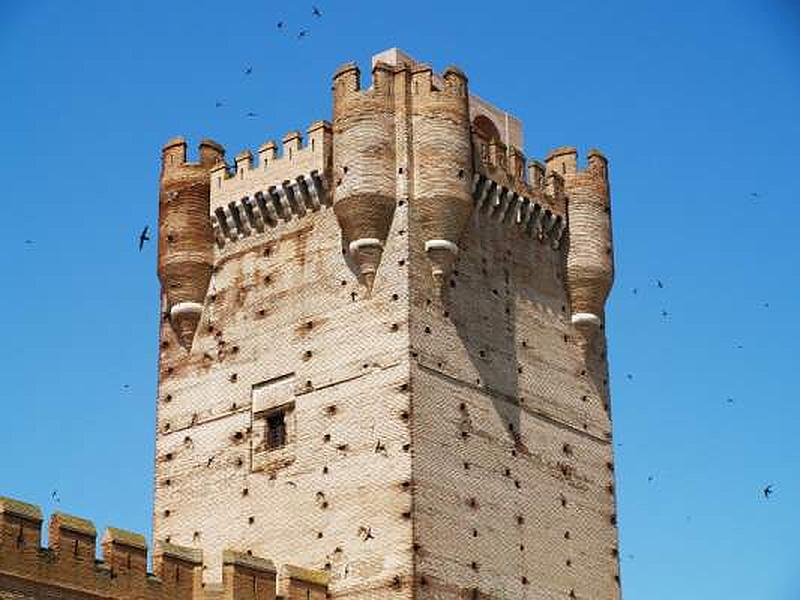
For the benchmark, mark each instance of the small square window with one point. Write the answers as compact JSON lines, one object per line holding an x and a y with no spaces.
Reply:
{"x":273,"y":424}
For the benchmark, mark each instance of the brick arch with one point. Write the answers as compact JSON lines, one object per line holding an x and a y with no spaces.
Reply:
{"x":485,"y":128}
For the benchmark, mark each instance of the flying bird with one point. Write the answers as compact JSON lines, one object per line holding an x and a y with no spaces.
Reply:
{"x":248,"y":71}
{"x":251,"y":114}
{"x":55,"y":497}
{"x":280,"y":25}
{"x":144,"y":237}
{"x":126,"y":386}
{"x":766,"y":305}
{"x":315,"y":11}
{"x":768,"y":491}
{"x":650,"y":479}
{"x":29,"y":242}
{"x":664,"y":313}
{"x":755,"y":195}
{"x":635,"y":291}
{"x":660,"y":284}
{"x":629,"y":376}
{"x":303,"y":33}
{"x":218,"y":104}
{"x":729,"y":400}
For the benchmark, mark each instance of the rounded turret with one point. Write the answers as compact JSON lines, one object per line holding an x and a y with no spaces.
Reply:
{"x":442,"y":145}
{"x":185,"y":236}
{"x":364,"y":163}
{"x":590,"y":260}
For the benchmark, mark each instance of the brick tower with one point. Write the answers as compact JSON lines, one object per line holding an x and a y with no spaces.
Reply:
{"x":382,"y":351}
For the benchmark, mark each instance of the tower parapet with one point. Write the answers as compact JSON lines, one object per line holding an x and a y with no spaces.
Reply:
{"x":364,"y":163}
{"x":252,"y":197}
{"x":185,"y":237}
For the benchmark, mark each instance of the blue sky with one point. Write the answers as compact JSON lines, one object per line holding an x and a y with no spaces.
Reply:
{"x":694,"y":102}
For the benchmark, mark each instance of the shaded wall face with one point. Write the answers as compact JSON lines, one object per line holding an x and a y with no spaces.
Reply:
{"x":512,"y":460}
{"x":285,"y":327}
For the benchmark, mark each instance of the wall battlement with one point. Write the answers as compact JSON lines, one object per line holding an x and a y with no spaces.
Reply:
{"x":68,"y":565}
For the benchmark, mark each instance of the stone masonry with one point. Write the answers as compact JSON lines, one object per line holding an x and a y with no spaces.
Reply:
{"x":382,"y":360}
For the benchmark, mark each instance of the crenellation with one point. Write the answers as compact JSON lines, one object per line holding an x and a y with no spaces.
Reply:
{"x":562,"y":160}
{"x":536,"y":175}
{"x":297,"y":158}
{"x":124,"y":552}
{"x":68,"y":566}
{"x":72,"y":537}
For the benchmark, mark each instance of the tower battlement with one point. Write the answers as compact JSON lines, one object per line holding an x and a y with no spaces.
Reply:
{"x":274,"y":165}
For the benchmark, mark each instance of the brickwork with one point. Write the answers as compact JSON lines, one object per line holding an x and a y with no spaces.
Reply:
{"x":382,"y":360}
{"x":68,"y":570}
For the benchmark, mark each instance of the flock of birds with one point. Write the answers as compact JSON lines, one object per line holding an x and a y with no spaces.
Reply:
{"x":281,"y":26}
{"x":768,"y":490}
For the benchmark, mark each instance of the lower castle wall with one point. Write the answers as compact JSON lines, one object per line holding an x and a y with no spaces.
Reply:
{"x":68,"y":569}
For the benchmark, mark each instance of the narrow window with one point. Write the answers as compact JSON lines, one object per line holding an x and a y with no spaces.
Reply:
{"x":276,"y":430}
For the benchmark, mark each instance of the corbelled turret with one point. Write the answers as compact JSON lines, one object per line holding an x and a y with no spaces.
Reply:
{"x":185,"y":237}
{"x":590,"y":261}
{"x":442,"y":146}
{"x":364,"y":163}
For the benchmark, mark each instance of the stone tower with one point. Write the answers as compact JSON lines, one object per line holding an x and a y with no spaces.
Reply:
{"x":382,"y":351}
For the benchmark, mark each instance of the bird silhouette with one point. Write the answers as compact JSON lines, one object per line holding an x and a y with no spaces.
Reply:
{"x":664,"y":313}
{"x":635,"y":291}
{"x":251,"y":114}
{"x":768,"y":491}
{"x":650,"y":479}
{"x":755,"y":195}
{"x":144,"y":237}
{"x":302,"y":33}
{"x":315,"y":11}
{"x":29,"y":242}
{"x":629,"y":376}
{"x":55,"y":497}
{"x":660,"y":284}
{"x":766,"y":305}
{"x":729,"y":400}
{"x":248,"y":71}
{"x":126,"y":386}
{"x":218,"y":104}
{"x":280,"y":24}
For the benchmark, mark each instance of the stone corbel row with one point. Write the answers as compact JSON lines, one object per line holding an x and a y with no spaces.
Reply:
{"x":267,"y":209}
{"x":503,"y":205}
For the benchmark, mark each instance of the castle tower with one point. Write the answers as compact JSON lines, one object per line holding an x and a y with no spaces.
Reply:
{"x":395,"y":370}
